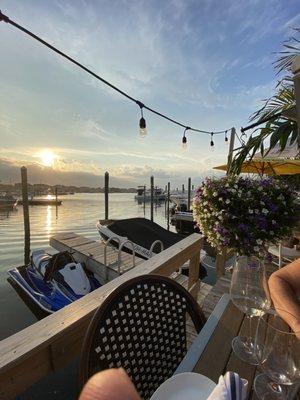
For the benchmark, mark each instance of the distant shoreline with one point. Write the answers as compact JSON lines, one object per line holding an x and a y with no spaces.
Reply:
{"x":41,"y":188}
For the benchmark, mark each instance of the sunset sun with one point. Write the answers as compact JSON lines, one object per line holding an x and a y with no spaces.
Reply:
{"x":47,"y":158}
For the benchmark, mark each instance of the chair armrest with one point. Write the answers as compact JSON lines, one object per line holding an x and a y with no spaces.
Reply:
{"x":192,"y":356}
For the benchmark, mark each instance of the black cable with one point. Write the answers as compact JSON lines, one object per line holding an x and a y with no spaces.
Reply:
{"x":139,"y":103}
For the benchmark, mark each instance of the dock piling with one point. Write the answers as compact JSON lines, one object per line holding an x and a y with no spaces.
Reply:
{"x":168,"y":207}
{"x":189,"y":194}
{"x":106,"y":189}
{"x":25,"y":215}
{"x":152,"y":190}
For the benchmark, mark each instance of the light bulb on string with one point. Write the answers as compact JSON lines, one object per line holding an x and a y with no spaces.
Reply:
{"x":212,"y":144}
{"x":184,"y":139}
{"x":226,"y":138}
{"x":143,"y":128}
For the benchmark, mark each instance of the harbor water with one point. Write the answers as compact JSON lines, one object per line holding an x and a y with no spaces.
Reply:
{"x":78,"y":213}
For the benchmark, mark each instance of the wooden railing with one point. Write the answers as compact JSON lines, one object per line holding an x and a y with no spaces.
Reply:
{"x":53,"y":342}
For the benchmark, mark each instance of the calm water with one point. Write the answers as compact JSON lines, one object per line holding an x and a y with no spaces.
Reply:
{"x":78,"y":213}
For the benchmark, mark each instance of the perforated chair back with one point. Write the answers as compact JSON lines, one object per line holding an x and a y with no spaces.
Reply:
{"x":141,"y":326}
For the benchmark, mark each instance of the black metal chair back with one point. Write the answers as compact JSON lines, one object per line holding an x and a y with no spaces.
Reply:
{"x":141,"y":326}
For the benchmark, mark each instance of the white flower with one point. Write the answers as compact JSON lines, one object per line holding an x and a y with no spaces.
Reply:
{"x":262,"y":203}
{"x":256,"y":248}
{"x":250,"y":211}
{"x":264,"y":211}
{"x":273,"y":222}
{"x":215,"y":194}
{"x":259,"y":241}
{"x":227,"y":201}
{"x":220,"y":199}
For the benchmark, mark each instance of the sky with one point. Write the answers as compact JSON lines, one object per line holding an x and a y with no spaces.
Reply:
{"x":207,"y":63}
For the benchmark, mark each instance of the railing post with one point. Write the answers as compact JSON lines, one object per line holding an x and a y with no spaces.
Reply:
{"x":220,"y":262}
{"x":152,"y":190}
{"x":194,"y":272}
{"x":106,"y":189}
{"x":25,"y":215}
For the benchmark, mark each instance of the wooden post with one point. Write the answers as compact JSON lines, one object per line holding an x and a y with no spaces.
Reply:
{"x":56,"y":203}
{"x":152,"y":189}
{"x":296,"y":72}
{"x":144,"y":205}
{"x":106,"y":189}
{"x":193,"y":187}
{"x":194,"y":272}
{"x":220,"y":262}
{"x":182,"y":188}
{"x":168,"y":207}
{"x":230,"y":151}
{"x":25,"y":215}
{"x":189,"y":194}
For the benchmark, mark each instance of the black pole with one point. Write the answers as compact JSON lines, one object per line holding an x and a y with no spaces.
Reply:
{"x":25,"y":215}
{"x":152,"y":189}
{"x":106,"y":189}
{"x":168,"y":207}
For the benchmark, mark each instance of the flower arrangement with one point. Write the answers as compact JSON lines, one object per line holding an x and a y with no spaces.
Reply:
{"x":244,"y":214}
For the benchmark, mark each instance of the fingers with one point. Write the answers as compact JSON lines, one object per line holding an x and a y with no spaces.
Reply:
{"x":111,"y":384}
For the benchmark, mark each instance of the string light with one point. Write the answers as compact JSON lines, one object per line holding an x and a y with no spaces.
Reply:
{"x":143,"y":129}
{"x":142,"y":124}
{"x":226,"y":138}
{"x":212,"y":145}
{"x":184,"y":140}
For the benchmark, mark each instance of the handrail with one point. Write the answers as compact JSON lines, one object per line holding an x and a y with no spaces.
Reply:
{"x":116,"y":238}
{"x":120,"y":254}
{"x":52,"y":343}
{"x":153,"y":244}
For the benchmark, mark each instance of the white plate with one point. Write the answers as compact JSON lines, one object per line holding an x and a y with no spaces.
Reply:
{"x":187,"y":386}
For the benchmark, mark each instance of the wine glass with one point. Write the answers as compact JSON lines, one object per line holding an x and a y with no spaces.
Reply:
{"x":278,"y":353}
{"x":249,"y":292}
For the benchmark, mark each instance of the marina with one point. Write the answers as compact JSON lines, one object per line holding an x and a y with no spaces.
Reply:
{"x":131,"y":269}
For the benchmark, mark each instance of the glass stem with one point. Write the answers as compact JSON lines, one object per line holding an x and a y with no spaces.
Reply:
{"x":250,"y":330}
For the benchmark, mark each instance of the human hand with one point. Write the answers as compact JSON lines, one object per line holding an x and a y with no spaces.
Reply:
{"x":111,"y":384}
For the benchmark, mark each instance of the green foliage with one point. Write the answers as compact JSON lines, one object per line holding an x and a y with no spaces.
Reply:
{"x":278,"y":130}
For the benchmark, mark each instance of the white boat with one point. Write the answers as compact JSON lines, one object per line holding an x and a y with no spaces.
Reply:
{"x":144,"y":194}
{"x":7,"y":201}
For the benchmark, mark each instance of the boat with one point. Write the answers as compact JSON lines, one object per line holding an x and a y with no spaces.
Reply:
{"x":144,"y":236}
{"x":144,"y":195}
{"x":52,"y":281}
{"x":184,"y":222}
{"x":7,"y":201}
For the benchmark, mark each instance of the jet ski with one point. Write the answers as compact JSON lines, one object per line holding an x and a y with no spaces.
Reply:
{"x":52,"y":281}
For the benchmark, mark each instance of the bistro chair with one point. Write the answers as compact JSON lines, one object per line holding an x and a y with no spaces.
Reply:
{"x":141,"y":326}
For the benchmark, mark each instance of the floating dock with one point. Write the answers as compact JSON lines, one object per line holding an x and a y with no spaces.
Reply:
{"x":42,"y":202}
{"x":92,"y":253}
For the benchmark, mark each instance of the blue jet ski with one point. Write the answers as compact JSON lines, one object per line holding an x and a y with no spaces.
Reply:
{"x":52,"y":281}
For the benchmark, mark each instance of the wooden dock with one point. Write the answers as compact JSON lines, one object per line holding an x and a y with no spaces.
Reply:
{"x":91,"y":252}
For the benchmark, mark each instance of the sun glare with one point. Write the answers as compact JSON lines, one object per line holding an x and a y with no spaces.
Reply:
{"x":47,"y":158}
